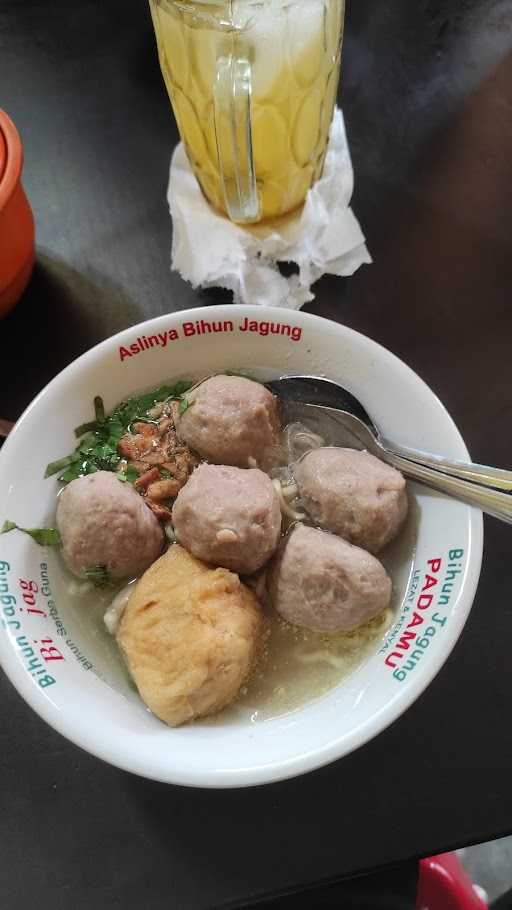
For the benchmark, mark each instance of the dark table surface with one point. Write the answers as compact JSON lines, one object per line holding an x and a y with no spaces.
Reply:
{"x":427,"y":93}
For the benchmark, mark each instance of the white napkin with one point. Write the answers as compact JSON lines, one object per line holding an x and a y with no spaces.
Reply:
{"x":323,"y":237}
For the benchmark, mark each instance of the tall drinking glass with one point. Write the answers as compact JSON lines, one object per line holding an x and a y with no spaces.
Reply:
{"x":253,"y":85}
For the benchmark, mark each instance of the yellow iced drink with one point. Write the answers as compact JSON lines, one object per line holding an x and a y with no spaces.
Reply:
{"x":293,"y":48}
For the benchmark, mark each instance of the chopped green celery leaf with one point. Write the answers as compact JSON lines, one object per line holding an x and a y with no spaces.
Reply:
{"x":8,"y":526}
{"x":71,"y":473}
{"x":169,"y":391}
{"x":104,"y":450}
{"x":129,"y":475}
{"x":86,"y":428}
{"x":102,"y":434}
{"x":184,"y":405}
{"x":165,"y":474}
{"x":92,"y":425}
{"x":132,"y":408}
{"x":183,"y":385}
{"x":99,"y":409}
{"x":86,"y":444}
{"x":98,"y":575}
{"x":45,"y":537}
{"x":115,"y":428}
{"x":55,"y":466}
{"x":106,"y":464}
{"x":97,"y":451}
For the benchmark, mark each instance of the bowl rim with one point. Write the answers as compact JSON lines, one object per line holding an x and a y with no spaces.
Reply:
{"x":314,"y":758}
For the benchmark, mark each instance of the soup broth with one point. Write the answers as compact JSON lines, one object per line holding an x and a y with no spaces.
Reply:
{"x":296,"y":665}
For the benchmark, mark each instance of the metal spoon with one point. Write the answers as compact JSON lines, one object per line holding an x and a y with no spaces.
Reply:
{"x":340,"y":419}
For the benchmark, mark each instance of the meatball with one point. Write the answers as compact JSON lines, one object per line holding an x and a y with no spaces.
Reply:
{"x":190,"y":636}
{"x":323,"y":583}
{"x":231,"y":420}
{"x":104,"y":522}
{"x":352,"y":494}
{"x":228,"y":517}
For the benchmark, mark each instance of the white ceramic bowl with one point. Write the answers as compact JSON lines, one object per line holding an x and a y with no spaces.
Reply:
{"x":96,"y":709}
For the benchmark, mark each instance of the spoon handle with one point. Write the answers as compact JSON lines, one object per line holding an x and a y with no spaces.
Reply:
{"x":494,"y":502}
{"x":495,"y":478}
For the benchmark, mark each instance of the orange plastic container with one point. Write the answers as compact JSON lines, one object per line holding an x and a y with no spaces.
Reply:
{"x":16,"y":219}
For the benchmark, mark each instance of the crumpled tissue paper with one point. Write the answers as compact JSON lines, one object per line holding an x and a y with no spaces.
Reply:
{"x":323,"y":237}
